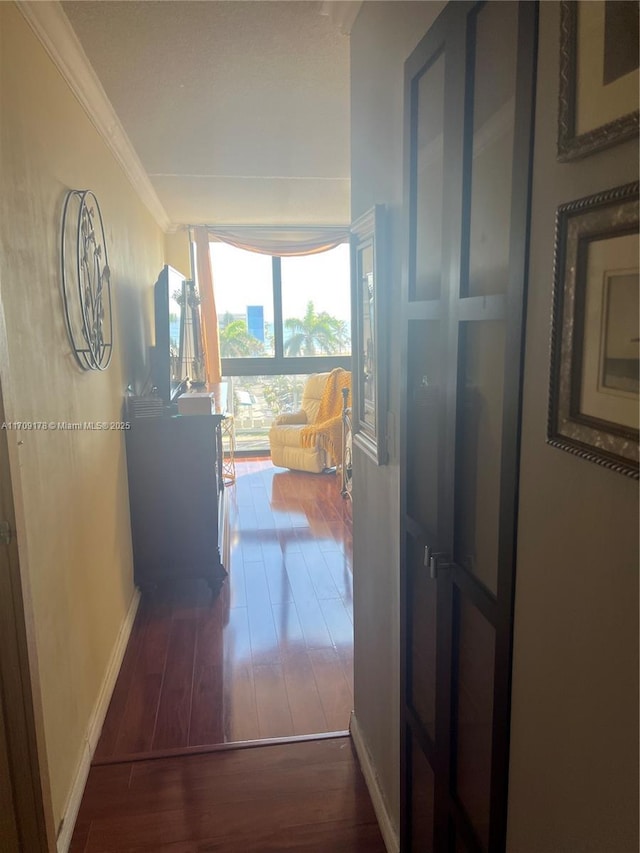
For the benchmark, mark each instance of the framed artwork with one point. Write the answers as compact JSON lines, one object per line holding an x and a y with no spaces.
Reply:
{"x":598,"y":75}
{"x":369,"y":344}
{"x":594,"y":387}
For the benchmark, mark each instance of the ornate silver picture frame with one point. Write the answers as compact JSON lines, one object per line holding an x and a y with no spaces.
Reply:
{"x":598,"y":100}
{"x":594,"y":383}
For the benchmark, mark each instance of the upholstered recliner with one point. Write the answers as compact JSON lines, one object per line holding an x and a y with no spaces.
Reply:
{"x":285,"y":433}
{"x":312,"y":439}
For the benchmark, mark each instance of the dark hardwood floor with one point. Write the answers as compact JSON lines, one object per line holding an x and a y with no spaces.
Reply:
{"x":271,"y":655}
{"x":308,"y":797}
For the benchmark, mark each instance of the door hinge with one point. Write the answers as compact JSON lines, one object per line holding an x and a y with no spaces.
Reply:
{"x":435,"y":561}
{"x":5,"y":532}
{"x":438,"y":563}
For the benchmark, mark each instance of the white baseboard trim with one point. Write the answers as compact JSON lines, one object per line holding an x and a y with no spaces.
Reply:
{"x":94,"y":729}
{"x":388,"y":830}
{"x":65,"y":832}
{"x":102,"y":704}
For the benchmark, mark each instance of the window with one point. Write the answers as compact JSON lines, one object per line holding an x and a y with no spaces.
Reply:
{"x":244,"y":301}
{"x":257,"y":400}
{"x":316,"y":304}
{"x":280,"y":320}
{"x":276,"y":312}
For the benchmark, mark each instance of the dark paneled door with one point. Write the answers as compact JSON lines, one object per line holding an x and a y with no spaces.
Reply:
{"x":23,"y":818}
{"x":468,"y":107}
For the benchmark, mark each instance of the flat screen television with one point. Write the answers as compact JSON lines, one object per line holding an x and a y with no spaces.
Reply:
{"x":169,"y":299}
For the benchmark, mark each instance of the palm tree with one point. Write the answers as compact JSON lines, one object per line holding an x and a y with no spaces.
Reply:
{"x":315,"y":333}
{"x":236,"y":342}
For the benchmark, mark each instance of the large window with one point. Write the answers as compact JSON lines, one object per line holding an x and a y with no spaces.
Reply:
{"x":316,"y":304}
{"x":274,"y":313}
{"x":256,"y":401}
{"x":280,"y":320}
{"x":244,"y":301}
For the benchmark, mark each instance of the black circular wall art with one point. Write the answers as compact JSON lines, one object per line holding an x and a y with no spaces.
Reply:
{"x":86,"y":281}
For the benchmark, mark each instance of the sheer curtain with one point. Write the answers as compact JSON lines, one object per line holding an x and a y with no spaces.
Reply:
{"x":208,"y":313}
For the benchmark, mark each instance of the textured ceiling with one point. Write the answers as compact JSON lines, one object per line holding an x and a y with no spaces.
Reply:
{"x":238,"y":110}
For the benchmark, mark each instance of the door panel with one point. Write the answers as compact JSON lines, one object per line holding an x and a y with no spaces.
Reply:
{"x":491,"y":52}
{"x":472,"y":734}
{"x":22,"y":810}
{"x":9,"y":837}
{"x":479,"y":449}
{"x":429,"y":167}
{"x":468,"y":123}
{"x":423,"y":422}
{"x":422,"y":631}
{"x":423,"y":791}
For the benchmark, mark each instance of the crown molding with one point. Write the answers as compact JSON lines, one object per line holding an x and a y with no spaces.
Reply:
{"x":51,"y":26}
{"x":342,"y":13}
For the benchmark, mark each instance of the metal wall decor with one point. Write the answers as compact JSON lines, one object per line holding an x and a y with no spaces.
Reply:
{"x":86,"y":281}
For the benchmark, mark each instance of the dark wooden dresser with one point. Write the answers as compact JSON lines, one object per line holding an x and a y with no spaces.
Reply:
{"x":176,"y":494}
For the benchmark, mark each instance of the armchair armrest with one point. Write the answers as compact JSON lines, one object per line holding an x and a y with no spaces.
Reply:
{"x":291,"y":418}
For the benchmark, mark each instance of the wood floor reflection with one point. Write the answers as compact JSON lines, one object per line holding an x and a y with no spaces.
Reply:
{"x":272,"y":655}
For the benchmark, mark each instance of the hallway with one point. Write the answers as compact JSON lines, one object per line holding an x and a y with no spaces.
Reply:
{"x":271,"y":655}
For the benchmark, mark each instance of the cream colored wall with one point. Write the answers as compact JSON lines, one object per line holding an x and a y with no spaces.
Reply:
{"x":384,"y":35}
{"x":74,"y":531}
{"x":574,"y":738}
{"x":176,"y":251}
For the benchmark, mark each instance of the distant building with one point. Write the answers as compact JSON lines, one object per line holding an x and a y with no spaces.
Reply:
{"x":255,"y":321}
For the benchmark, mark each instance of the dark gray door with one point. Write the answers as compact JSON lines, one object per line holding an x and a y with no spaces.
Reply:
{"x":468,"y":123}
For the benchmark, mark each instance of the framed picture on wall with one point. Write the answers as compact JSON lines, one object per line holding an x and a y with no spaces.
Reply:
{"x":598,"y":75}
{"x":594,"y":386}
{"x":369,"y":334}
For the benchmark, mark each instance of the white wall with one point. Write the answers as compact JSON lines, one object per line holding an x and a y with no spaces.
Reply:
{"x":574,"y":739}
{"x":573,"y":782}
{"x":384,"y":35}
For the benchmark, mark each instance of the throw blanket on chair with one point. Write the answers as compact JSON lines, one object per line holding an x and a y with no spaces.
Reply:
{"x":328,"y":426}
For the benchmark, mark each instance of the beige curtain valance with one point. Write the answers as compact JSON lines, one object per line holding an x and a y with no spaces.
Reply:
{"x":282,"y":241}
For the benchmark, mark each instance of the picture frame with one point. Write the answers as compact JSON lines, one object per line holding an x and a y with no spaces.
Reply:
{"x":369,"y":333}
{"x":593,"y":389}
{"x":598,"y":97}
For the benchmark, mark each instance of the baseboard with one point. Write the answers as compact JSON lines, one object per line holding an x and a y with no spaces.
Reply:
{"x":67,"y":825}
{"x":388,"y":830}
{"x":94,"y":729}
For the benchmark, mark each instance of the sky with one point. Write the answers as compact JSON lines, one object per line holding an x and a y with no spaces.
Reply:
{"x":244,"y":278}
